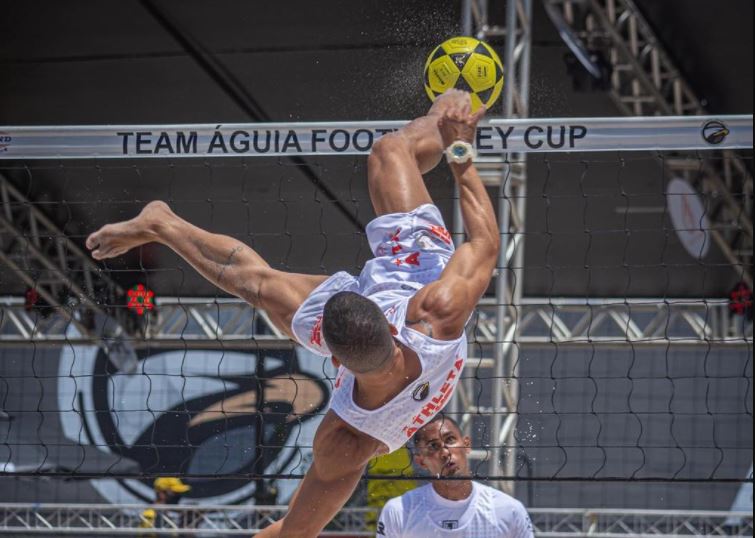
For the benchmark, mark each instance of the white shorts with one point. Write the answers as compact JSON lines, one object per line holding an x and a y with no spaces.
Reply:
{"x":411,"y":250}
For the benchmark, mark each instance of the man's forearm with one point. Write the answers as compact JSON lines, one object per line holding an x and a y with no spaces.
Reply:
{"x":476,"y":209}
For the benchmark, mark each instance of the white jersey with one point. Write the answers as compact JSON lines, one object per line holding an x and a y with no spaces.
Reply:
{"x":422,"y":513}
{"x":411,"y":250}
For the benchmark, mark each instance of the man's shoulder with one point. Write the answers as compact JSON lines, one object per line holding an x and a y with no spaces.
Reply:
{"x":510,"y":512}
{"x":399,"y":514}
{"x":441,"y":303}
{"x":405,"y":502}
{"x":500,"y":499}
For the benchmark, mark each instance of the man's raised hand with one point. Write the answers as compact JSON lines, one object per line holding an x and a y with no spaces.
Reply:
{"x":458,"y":123}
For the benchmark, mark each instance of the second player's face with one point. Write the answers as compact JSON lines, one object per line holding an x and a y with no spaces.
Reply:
{"x":443,"y":451}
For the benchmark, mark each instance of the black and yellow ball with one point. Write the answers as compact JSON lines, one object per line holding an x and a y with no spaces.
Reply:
{"x":467,"y":64}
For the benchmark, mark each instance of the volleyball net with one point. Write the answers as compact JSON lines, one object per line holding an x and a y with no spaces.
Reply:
{"x":614,"y":345}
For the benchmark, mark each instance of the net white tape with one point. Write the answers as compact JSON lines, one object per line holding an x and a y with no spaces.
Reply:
{"x":354,"y":138}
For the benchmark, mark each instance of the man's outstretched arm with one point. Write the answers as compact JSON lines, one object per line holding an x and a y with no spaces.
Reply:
{"x":226,"y":262}
{"x":447,"y":303}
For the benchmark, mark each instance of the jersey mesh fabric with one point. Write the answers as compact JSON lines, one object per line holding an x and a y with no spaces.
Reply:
{"x":411,"y":250}
{"x":397,"y":421}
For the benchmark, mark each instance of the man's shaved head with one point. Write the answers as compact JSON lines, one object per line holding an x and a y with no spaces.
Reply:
{"x":357,"y":332}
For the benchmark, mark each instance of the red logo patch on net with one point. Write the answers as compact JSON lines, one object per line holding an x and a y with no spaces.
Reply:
{"x":140,"y":299}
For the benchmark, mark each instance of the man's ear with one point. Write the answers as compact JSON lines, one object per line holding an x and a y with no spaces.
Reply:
{"x":468,"y":444}
{"x":335,"y":362}
{"x":418,"y":459}
{"x":394,"y":330}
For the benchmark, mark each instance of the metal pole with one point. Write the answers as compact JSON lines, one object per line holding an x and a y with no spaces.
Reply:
{"x":467,"y":19}
{"x":502,"y":284}
{"x":517,"y":263}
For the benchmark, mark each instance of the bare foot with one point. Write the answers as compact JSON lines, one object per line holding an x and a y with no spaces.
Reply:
{"x":116,"y":239}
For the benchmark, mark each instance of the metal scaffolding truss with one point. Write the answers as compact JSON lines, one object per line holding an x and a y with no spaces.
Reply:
{"x":206,"y":323}
{"x":648,"y":322}
{"x":611,"y":523}
{"x":508,"y":174}
{"x":192,"y":323}
{"x":216,"y":323}
{"x":42,"y":257}
{"x":644,"y":81}
{"x":124,"y":520}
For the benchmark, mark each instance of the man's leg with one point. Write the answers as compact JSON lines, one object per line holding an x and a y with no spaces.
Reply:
{"x":226,"y":262}
{"x":399,"y":160}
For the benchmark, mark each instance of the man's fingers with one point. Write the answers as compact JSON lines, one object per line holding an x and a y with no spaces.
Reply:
{"x":92,"y":240}
{"x":477,"y":116}
{"x":466,"y":107}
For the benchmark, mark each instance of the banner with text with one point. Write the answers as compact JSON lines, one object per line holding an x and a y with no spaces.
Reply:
{"x":354,"y":138}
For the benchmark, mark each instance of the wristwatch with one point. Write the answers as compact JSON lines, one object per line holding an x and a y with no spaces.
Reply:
{"x":460,"y":152}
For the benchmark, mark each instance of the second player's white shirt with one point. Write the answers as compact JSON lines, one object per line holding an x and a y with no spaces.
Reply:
{"x":422,"y":513}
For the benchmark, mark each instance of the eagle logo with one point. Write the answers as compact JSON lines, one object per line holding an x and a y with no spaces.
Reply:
{"x":715,"y":132}
{"x":232,"y":414}
{"x":420,"y":393}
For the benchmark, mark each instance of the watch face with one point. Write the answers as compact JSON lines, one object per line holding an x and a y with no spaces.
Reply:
{"x":459,"y":151}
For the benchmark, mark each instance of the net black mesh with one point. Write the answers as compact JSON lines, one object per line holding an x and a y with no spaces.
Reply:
{"x":608,"y":420}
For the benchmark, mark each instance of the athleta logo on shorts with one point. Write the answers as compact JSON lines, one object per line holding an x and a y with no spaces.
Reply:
{"x":421,"y":392}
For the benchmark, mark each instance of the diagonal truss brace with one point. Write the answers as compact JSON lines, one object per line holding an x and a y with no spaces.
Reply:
{"x":42,"y":257}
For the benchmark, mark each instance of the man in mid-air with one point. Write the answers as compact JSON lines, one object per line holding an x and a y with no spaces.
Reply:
{"x":453,"y":505}
{"x":396,"y":332}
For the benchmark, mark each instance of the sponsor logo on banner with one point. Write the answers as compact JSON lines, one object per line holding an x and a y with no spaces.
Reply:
{"x":230,"y":413}
{"x":5,"y":140}
{"x":715,"y":132}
